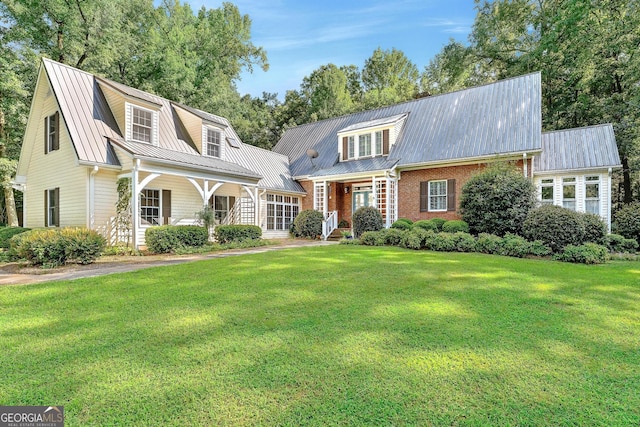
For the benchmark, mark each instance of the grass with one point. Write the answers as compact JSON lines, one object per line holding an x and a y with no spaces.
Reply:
{"x":339,"y":335}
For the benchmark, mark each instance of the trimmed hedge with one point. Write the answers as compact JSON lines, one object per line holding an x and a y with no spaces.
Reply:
{"x":54,"y":247}
{"x":236,"y":233}
{"x":366,"y":218}
{"x":308,"y":223}
{"x":619,"y":244}
{"x":595,"y":229}
{"x":438,"y":223}
{"x":6,"y":233}
{"x":168,"y":238}
{"x":402,"y":225}
{"x":555,"y":226}
{"x":425,"y":224}
{"x":455,"y":226}
{"x":627,"y":221}
{"x":589,"y":253}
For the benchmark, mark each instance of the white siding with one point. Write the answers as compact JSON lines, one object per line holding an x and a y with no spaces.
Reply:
{"x":105,"y":197}
{"x":57,"y":169}
{"x":116,"y":104}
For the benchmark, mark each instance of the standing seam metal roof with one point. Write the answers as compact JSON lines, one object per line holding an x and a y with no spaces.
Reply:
{"x":497,"y":118}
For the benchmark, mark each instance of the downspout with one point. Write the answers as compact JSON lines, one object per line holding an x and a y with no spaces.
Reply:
{"x":92,"y":197}
{"x":609,"y":202}
{"x":525,"y":166}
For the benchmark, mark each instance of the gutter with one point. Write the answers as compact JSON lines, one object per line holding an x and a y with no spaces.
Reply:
{"x":517,"y":155}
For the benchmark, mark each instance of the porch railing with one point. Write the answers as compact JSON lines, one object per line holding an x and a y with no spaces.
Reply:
{"x":329,"y":224}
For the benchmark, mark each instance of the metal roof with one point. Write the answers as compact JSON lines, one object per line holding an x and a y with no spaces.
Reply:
{"x":356,"y":166}
{"x":495,"y":119}
{"x":148,"y":151}
{"x":373,"y":123}
{"x":591,"y":147}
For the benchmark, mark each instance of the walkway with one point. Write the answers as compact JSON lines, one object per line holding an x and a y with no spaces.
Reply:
{"x":102,"y":268}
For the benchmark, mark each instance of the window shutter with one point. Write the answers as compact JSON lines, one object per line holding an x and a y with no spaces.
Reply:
{"x":46,"y":139}
{"x":385,"y":141}
{"x":451,"y":194}
{"x":56,"y":137}
{"x":56,"y":211}
{"x":166,"y":206}
{"x":345,"y":148}
{"x":46,"y":208}
{"x":424,"y":196}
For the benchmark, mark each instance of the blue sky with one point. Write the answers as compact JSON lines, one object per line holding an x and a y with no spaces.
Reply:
{"x":300,"y":36}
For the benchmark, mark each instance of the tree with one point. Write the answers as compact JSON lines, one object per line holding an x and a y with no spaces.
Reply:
{"x":327,"y":90}
{"x":497,"y":200}
{"x":389,"y":77}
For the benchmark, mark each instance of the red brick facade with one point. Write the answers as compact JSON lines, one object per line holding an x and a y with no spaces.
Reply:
{"x":408,"y":191}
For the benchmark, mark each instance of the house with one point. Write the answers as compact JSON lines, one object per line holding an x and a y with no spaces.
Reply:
{"x":85,"y":134}
{"x":411,"y":160}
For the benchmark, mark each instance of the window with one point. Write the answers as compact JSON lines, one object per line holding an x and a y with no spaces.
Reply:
{"x":221,"y":206}
{"x":281,"y":211}
{"x":52,"y":133}
{"x":378,"y":143}
{"x":546,"y":191}
{"x":438,"y":195}
{"x":52,"y":207}
{"x":352,"y":147}
{"x":141,"y":124}
{"x":213,"y":143}
{"x":592,"y":194}
{"x":150,"y":207}
{"x":364,"y":145}
{"x":569,"y":193}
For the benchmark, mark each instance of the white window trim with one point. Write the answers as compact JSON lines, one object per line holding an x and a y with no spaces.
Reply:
{"x":129,"y":124}
{"x":286,"y":221}
{"x":356,"y":143}
{"x":575,"y":191}
{"x":591,"y":199}
{"x":429,"y":209}
{"x":52,"y":135}
{"x":205,"y":141}
{"x":548,"y":185}
{"x":160,"y":216}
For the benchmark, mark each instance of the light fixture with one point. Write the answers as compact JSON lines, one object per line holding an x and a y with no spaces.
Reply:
{"x":346,"y":189}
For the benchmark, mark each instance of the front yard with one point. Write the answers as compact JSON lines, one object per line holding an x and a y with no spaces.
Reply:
{"x":345,"y":335}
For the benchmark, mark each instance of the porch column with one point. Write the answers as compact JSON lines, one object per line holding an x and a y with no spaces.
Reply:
{"x":134,"y":203}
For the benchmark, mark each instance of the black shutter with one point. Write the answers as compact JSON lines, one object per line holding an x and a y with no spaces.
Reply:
{"x":56,"y":210}
{"x":56,"y":135}
{"x":424,"y":196}
{"x":46,"y":137}
{"x":385,"y":141}
{"x":451,"y":194}
{"x":46,"y":208}
{"x":166,"y":206}
{"x":345,"y":148}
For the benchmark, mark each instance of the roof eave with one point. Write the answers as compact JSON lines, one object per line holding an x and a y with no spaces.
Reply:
{"x":515,"y":155}
{"x":199,"y":168}
{"x":575,"y":170}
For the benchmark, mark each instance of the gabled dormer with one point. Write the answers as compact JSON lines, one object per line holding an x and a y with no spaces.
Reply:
{"x":208,"y":132}
{"x":368,"y":139}
{"x":137,"y":113}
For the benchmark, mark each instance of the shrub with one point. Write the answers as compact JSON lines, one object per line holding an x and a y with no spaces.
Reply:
{"x":425,"y":225}
{"x":589,"y":253}
{"x":627,"y":221}
{"x":168,"y":238}
{"x":415,"y":238}
{"x":438,"y":223}
{"x":619,"y":244}
{"x":464,"y":242}
{"x":236,"y":233}
{"x":372,"y":238}
{"x":53,"y":247}
{"x":455,"y":226}
{"x":497,"y":200}
{"x":402,"y":225}
{"x":366,"y":218}
{"x":407,"y":220}
{"x":442,"y":242}
{"x":595,"y":229}
{"x":488,"y":243}
{"x":538,"y":248}
{"x":6,"y":233}
{"x":556,"y":227}
{"x":392,"y":236}
{"x":308,"y":224}
{"x":343,"y":224}
{"x":514,"y":246}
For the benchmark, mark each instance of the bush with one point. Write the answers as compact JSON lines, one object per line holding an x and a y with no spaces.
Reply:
{"x":407,"y":220}
{"x":236,"y":233}
{"x":489,"y":243}
{"x":619,"y":244}
{"x":168,"y":238}
{"x":392,"y":236}
{"x":308,"y":224}
{"x":425,"y":224}
{"x":589,"y":253}
{"x":627,"y":221}
{"x":343,"y":224}
{"x":455,"y":226}
{"x":402,"y":225}
{"x":415,"y":238}
{"x":438,"y":223}
{"x":54,"y":247}
{"x":595,"y":229}
{"x":497,"y":200}
{"x":442,"y":242}
{"x":6,"y":233}
{"x":538,"y":248}
{"x":556,"y":227}
{"x":366,"y":218}
{"x":514,"y":246}
{"x":372,"y":238}
{"x":464,"y":242}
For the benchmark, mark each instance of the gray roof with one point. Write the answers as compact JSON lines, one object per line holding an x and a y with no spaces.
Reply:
{"x":194,"y":159}
{"x":357,"y":166}
{"x":494,"y":119}
{"x":373,"y":123}
{"x":592,"y":147}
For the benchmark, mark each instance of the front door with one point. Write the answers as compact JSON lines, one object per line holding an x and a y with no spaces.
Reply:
{"x":362,"y":196}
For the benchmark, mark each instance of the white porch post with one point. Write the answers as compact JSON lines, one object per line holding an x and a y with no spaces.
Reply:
{"x":135,"y":211}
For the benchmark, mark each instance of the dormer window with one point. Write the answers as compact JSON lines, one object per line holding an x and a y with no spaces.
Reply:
{"x":141,"y":128}
{"x":213,"y":142}
{"x":366,"y":144}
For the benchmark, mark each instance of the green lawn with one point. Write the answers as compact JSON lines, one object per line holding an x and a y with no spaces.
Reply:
{"x":339,"y":335}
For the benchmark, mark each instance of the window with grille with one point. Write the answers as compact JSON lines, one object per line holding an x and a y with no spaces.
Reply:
{"x":141,"y":124}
